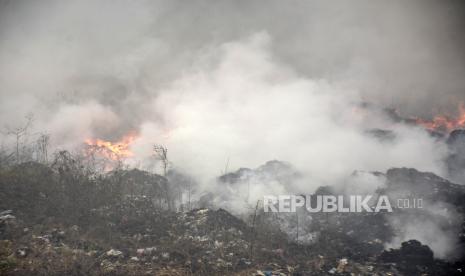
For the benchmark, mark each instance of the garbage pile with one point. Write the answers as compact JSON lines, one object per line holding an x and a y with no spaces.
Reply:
{"x":136,"y":236}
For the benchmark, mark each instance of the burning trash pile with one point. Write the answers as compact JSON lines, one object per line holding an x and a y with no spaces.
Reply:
{"x":111,"y":150}
{"x":444,"y":123}
{"x":132,"y":229}
{"x":232,"y":138}
{"x":67,"y":217}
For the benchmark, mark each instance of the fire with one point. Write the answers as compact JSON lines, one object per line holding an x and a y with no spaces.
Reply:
{"x":444,"y":122}
{"x":112,"y":150}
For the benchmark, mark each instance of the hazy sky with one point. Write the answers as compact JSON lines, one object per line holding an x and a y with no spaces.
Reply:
{"x":220,"y":78}
{"x":407,"y":54}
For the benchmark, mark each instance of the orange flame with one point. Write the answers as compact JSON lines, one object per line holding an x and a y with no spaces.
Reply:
{"x":112,"y":150}
{"x":444,"y":122}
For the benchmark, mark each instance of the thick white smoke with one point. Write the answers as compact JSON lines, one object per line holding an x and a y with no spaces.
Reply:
{"x":239,"y":103}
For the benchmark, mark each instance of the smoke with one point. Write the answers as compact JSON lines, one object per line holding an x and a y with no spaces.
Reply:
{"x":439,"y":229}
{"x":242,"y":105}
{"x":120,"y":53}
{"x":245,"y":81}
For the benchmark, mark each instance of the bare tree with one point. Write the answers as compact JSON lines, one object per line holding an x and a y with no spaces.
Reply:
{"x":189,"y":192}
{"x":161,"y":153}
{"x":42,"y":145}
{"x":19,"y":133}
